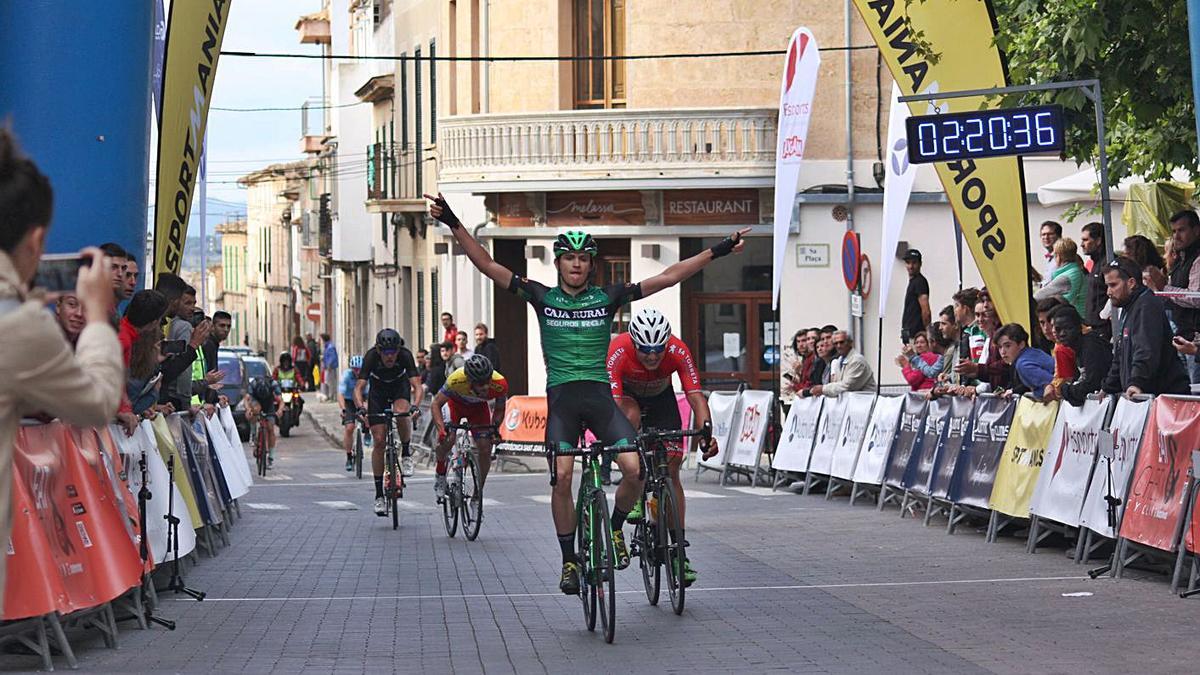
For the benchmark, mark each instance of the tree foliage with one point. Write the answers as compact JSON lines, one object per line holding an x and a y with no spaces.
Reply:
{"x":1137,"y":49}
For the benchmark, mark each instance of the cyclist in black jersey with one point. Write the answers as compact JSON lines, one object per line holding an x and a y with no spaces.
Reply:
{"x":575,"y":319}
{"x":391,"y":371}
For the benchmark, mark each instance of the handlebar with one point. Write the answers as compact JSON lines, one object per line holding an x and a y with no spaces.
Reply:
{"x":704,"y":432}
{"x":592,"y":450}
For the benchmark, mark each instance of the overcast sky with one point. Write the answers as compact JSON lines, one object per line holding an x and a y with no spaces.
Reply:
{"x":240,"y":142}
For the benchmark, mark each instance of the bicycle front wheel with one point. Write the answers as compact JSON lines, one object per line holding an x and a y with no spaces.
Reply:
{"x":646,"y":535}
{"x":260,"y":452}
{"x":587,"y":589}
{"x":358,"y":454}
{"x":394,"y":489}
{"x":450,"y":501}
{"x":674,"y":553}
{"x":603,"y":564}
{"x":471,"y":502}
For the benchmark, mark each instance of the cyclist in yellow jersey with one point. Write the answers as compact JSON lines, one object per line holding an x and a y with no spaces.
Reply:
{"x":470,"y":392}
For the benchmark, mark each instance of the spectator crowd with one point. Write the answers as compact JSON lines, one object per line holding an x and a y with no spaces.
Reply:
{"x":1127,"y":325}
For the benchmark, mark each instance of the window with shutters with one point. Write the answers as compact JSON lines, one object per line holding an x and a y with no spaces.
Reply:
{"x":599,"y":31}
{"x":433,"y":92}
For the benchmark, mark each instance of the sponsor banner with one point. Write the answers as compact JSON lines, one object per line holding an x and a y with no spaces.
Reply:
{"x":83,"y":555}
{"x":988,"y":195}
{"x":877,"y":441}
{"x":722,"y":406}
{"x":830,"y":426}
{"x":975,"y":471}
{"x":227,"y":456}
{"x":235,"y":442}
{"x":751,"y":429}
{"x":1154,"y":505}
{"x":908,"y":433}
{"x":854,"y":428}
{"x":105,"y":464}
{"x":196,"y":471}
{"x":168,"y":452}
{"x":951,"y":445}
{"x":920,"y":464}
{"x":796,"y":89}
{"x":897,"y":188}
{"x":1128,"y":422}
{"x":193,"y":46}
{"x":131,"y":449}
{"x":1023,"y":457}
{"x":524,"y":420}
{"x":1070,"y":456}
{"x":799,"y":432}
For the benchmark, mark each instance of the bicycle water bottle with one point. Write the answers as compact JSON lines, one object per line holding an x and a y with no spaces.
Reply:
{"x":652,"y":506}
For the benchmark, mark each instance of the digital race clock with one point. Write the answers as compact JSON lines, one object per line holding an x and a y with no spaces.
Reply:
{"x":985,"y":133}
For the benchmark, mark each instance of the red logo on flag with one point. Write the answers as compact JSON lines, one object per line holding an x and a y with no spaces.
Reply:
{"x":794,"y":56}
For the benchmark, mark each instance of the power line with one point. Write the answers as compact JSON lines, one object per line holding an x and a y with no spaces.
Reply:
{"x":493,"y":59}
{"x":311,"y":107}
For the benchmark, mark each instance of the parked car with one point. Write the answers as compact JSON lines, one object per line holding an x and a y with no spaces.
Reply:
{"x":234,"y":387}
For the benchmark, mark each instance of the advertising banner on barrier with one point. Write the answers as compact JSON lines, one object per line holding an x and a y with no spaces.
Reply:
{"x":524,"y":420}
{"x":988,"y":195}
{"x":920,"y":465}
{"x":799,"y":432}
{"x":1128,"y":422}
{"x":722,"y":407}
{"x":877,"y":441}
{"x":1024,"y":454}
{"x":167,"y":451}
{"x":908,"y":433}
{"x":235,"y":441}
{"x":1154,"y":505}
{"x":750,"y":432}
{"x":228,"y":457}
{"x":828,"y":429}
{"x":958,"y":430}
{"x":116,"y":472}
{"x":1063,"y":481}
{"x":192,"y":472}
{"x":975,"y":471}
{"x":31,"y":587}
{"x":160,"y":488}
{"x":850,"y":439}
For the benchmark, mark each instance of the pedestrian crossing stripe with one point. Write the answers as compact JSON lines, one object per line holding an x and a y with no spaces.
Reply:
{"x":329,"y":476}
{"x":697,"y":494}
{"x":264,"y":506}
{"x":541,"y":499}
{"x":339,"y":506}
{"x":757,"y":491}
{"x":276,"y":476}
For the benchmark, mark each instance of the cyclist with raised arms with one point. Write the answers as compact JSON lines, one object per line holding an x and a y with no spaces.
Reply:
{"x":470,"y":392}
{"x":640,"y":364}
{"x":391,"y":371}
{"x":575,"y":319}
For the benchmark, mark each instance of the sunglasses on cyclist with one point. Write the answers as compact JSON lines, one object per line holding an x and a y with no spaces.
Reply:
{"x":652,"y":349}
{"x":389,"y":352}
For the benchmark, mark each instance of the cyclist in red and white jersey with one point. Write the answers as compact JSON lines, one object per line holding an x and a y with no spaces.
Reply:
{"x":640,"y":365}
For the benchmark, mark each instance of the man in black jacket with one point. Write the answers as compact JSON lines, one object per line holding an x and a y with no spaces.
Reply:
{"x":1184,"y":276}
{"x":1093,"y":357}
{"x":1145,"y":361}
{"x":1092,"y":242}
{"x":487,"y":346}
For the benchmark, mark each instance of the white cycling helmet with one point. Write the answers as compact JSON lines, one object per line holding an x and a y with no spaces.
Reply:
{"x":650,"y":328}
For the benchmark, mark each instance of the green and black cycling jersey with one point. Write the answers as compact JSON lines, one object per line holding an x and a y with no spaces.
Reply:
{"x":575,"y":330}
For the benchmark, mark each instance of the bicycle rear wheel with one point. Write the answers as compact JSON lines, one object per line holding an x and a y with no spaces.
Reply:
{"x":587,"y":589}
{"x":394,"y":489}
{"x":450,"y":501}
{"x":673,"y":552}
{"x":646,"y":535}
{"x":603,"y":564}
{"x":472,"y":509}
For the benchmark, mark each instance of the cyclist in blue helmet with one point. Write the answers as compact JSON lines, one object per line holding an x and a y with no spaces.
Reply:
{"x":345,"y":398}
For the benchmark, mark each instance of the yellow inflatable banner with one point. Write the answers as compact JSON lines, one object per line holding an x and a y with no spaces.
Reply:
{"x":1024,"y":453}
{"x":195,"y":30}
{"x":988,"y":195}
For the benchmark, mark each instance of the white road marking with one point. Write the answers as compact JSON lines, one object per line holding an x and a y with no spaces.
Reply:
{"x":541,"y":499}
{"x":694,"y":589}
{"x":330,"y":476}
{"x":264,"y":506}
{"x":757,"y":491}
{"x":491,"y":502}
{"x":340,"y":506}
{"x":277,"y":476}
{"x":1081,"y":594}
{"x":696,"y":494}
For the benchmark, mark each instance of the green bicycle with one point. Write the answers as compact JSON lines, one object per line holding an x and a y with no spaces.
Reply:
{"x":594,"y":537}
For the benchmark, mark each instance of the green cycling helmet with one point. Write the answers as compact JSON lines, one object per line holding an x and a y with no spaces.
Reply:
{"x":574,"y":241}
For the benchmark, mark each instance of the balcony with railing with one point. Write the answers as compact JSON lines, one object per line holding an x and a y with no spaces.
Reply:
{"x":393,"y":179}
{"x":314,"y":125}
{"x":645,"y":149}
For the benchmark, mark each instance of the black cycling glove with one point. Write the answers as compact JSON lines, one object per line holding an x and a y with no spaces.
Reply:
{"x":726,"y":246}
{"x":447,"y":215}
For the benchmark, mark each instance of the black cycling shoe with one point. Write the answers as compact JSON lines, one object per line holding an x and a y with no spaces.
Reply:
{"x":568,"y":583}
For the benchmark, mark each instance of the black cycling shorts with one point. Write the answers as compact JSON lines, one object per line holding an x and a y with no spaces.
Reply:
{"x":660,"y":411}
{"x":349,"y":416}
{"x":381,"y":397}
{"x":574,"y":406}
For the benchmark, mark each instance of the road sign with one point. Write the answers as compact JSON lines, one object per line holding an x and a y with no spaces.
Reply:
{"x":864,"y":276}
{"x":313,"y":312}
{"x":851,"y":259}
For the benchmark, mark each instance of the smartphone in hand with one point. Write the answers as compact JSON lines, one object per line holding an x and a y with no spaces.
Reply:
{"x":59,"y":272}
